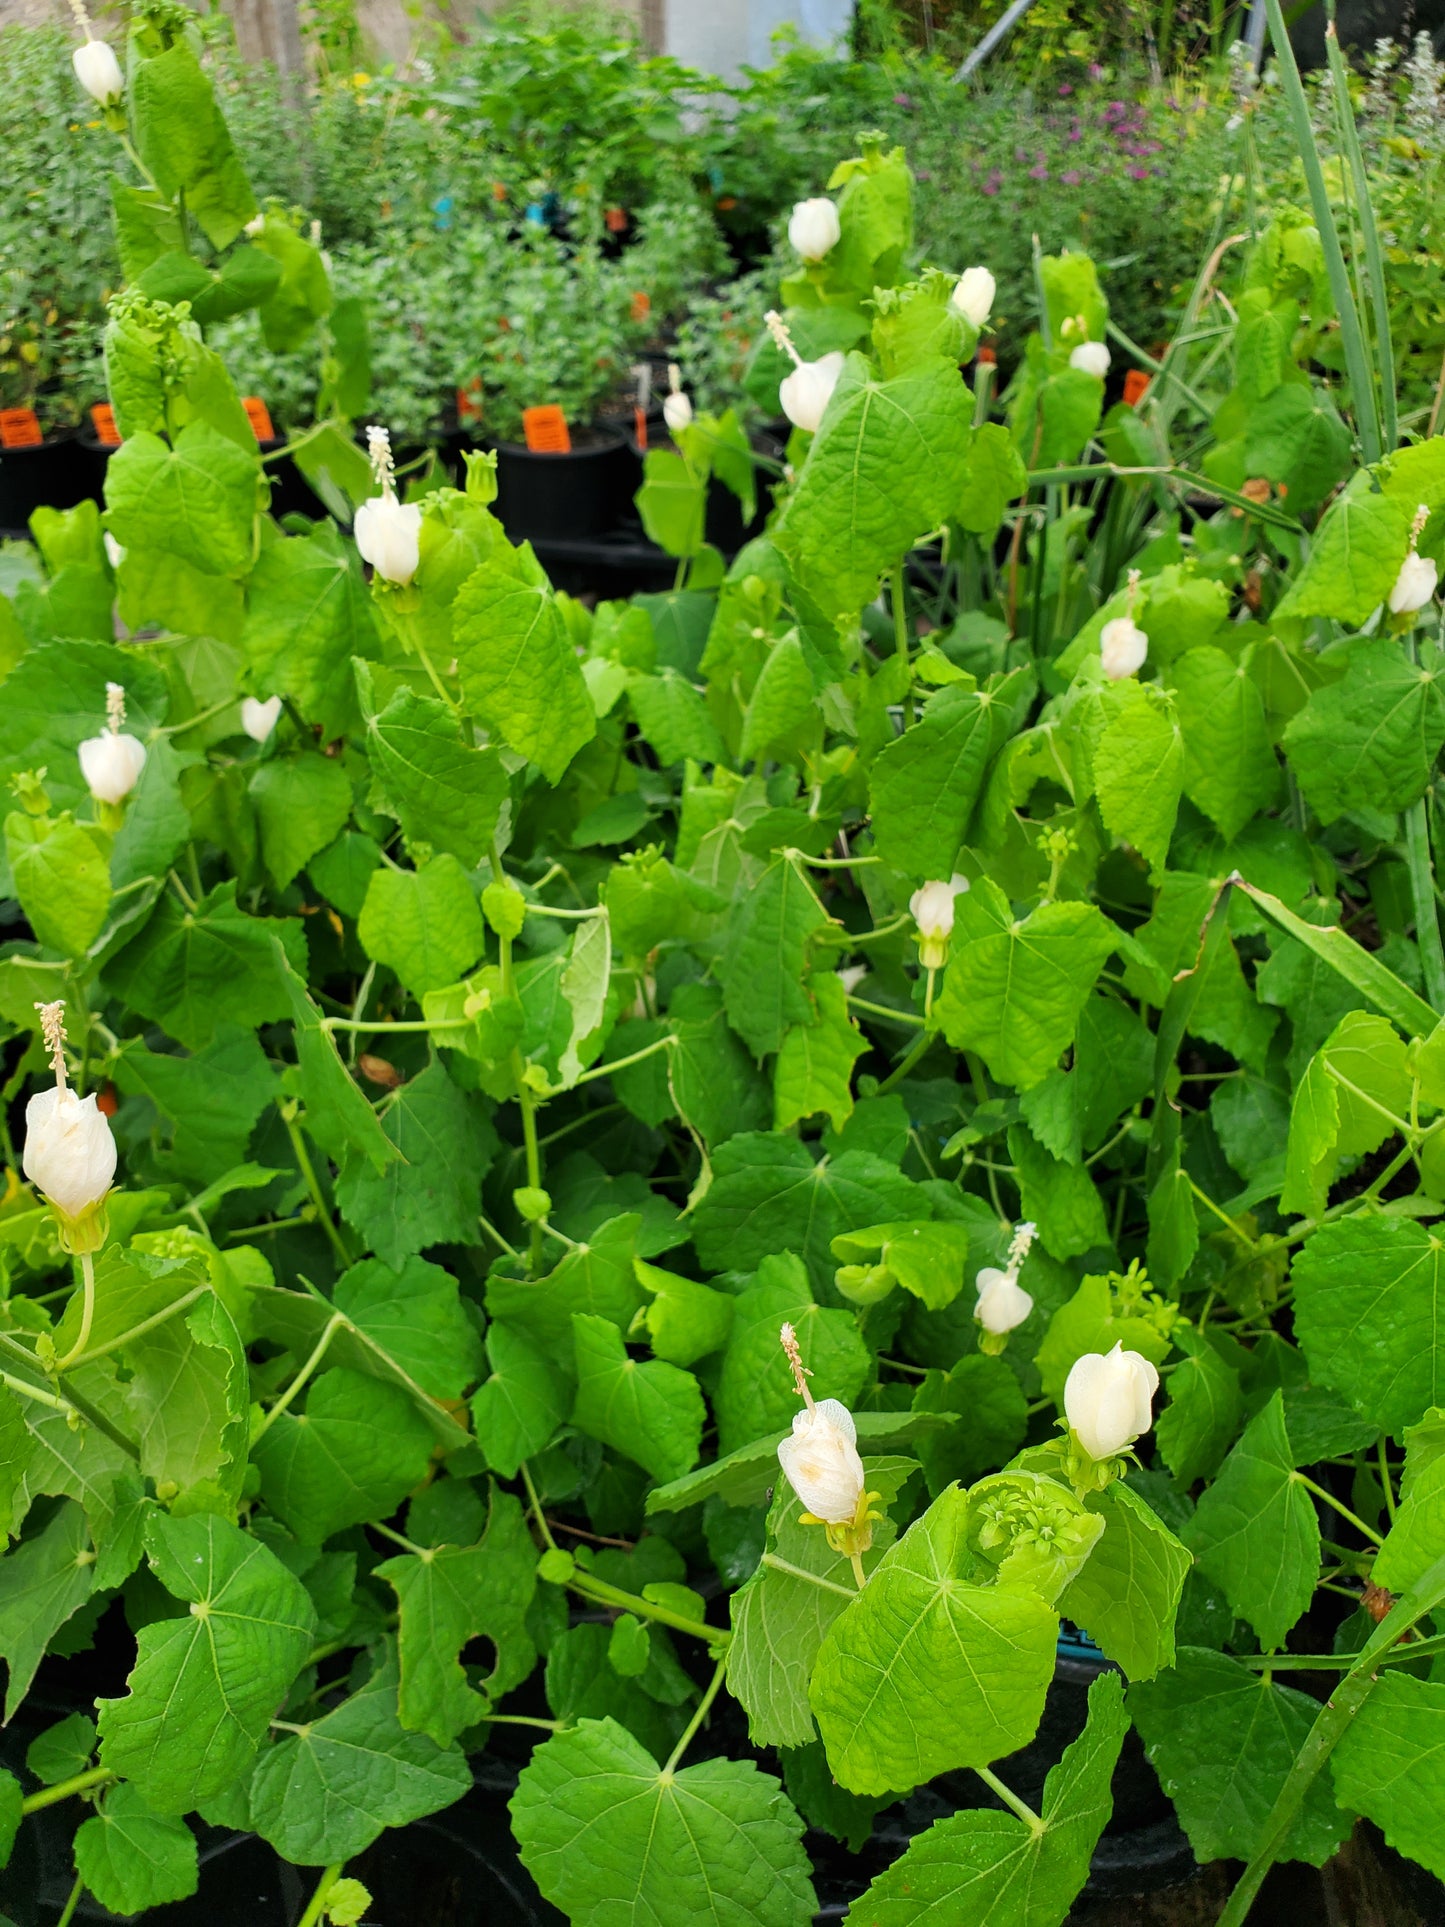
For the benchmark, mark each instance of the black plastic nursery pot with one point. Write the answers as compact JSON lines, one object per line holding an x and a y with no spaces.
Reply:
{"x":55,"y":473}
{"x":563,"y":497}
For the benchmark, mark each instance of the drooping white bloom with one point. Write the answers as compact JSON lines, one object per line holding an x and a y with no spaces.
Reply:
{"x":115,"y":554}
{"x":1418,"y":577}
{"x":98,"y":71}
{"x":821,"y":1458}
{"x":931,"y":907}
{"x":850,"y":976}
{"x":1107,"y":1400}
{"x":814,"y":228}
{"x":973,"y":296}
{"x":1091,"y":358}
{"x":69,"y":1152}
{"x":258,"y":719}
{"x":1123,"y":646}
{"x":676,"y":406}
{"x":1002,"y":1300}
{"x":388,"y":532}
{"x":805,"y":393}
{"x":111,"y":763}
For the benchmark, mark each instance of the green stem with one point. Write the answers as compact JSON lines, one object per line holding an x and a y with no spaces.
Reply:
{"x":1011,"y":1800}
{"x":535,"y":1506}
{"x":859,"y":1576}
{"x":916,"y":1050}
{"x":1383,"y":1459}
{"x":313,"y":1185}
{"x":1350,"y":1518}
{"x":67,"y":1913}
{"x":34,"y":1393}
{"x":1422,"y":890}
{"x":1374,"y":259}
{"x":318,"y":1352}
{"x":1406,"y":1653}
{"x":907,"y":1017}
{"x":525,"y":1719}
{"x":704,"y":1707}
{"x":423,"y":1553}
{"x":601,"y":1594}
{"x":136,"y":1331}
{"x":620,"y":1063}
{"x":76,"y":1400}
{"x":533,"y":1150}
{"x":87,"y":1314}
{"x":370,"y":1024}
{"x":317,"y":1904}
{"x":51,"y":1796}
{"x":799,"y":1572}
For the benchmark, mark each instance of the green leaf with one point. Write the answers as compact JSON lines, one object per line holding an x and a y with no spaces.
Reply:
{"x":1089,"y":1322}
{"x":1352,"y":963}
{"x":1230,"y":769}
{"x":423,"y":924}
{"x":1370,"y":1316}
{"x":132,"y":1858}
{"x":192,"y":971}
{"x":308,"y":614}
{"x":1354,"y":557}
{"x":674,"y":718}
{"x":779,"y":1620}
{"x":1139,"y":773}
{"x":1060,"y":1198}
{"x":886,"y":466}
{"x":611,"y":1839}
{"x":1015,"y":987}
{"x":768,"y":1196}
{"x":1255,"y":1531}
{"x":814,"y":1071}
{"x":987,"y":1394}
{"x":12,"y":1803}
{"x":444,"y":791}
{"x":43,"y":1581}
{"x":595,"y":1278}
{"x":55,"y":699}
{"x":765,"y":959}
{"x":322,"y":1796}
{"x":182,"y":138}
{"x":518,"y":669}
{"x":983,"y":1866}
{"x":1416,"y":1538}
{"x":62,"y":1750}
{"x":353,"y":1454}
{"x":337,"y":1114}
{"x":302,"y":803}
{"x":755,"y":1393}
{"x":1127,"y":1595}
{"x":197,"y":500}
{"x":1222,"y":1740}
{"x":61,"y":873}
{"x":714,"y":1082}
{"x":1357,"y":1083}
{"x":927,"y":1259}
{"x":924,"y":785}
{"x":205,"y":1685}
{"x":519,"y":1406}
{"x":452,"y":1594}
{"x":1389,"y":1765}
{"x":994,"y":477}
{"x":414,"y":1312}
{"x":187,"y":1400}
{"x":672,"y":502}
{"x":431,"y":1193}
{"x":1369,"y":741}
{"x":1197,"y":1426}
{"x":651,"y":1412}
{"x":685,"y":1321}
{"x":926,"y":1671}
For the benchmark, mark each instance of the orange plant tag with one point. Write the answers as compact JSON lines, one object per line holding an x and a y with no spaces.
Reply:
{"x":1136,"y":384}
{"x":641,"y":305}
{"x":102,"y":417}
{"x":616,"y":219}
{"x":639,"y":427}
{"x":469,"y":401}
{"x":259,"y":416}
{"x":20,"y":428}
{"x":546,"y":430}
{"x":987,"y":357}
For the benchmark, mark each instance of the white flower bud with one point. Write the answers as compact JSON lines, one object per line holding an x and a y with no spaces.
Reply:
{"x":1107,"y":1400}
{"x":973,"y":297}
{"x":388,"y":534}
{"x":111,"y":764}
{"x":805,"y":393}
{"x":1002,"y":1300}
{"x":98,"y":71}
{"x":931,"y":908}
{"x":1123,"y":646}
{"x":851,"y":976}
{"x":258,"y":719}
{"x":115,"y":554}
{"x":69,"y":1151}
{"x":1091,"y":358}
{"x":822,"y":1463}
{"x":677,"y":411}
{"x":814,"y":228}
{"x":1414,"y":585}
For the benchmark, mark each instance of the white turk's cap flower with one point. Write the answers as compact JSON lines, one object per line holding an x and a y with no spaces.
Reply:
{"x":1091,"y":358}
{"x":69,"y":1152}
{"x":111,"y":763}
{"x":821,"y":1458}
{"x":814,"y":228}
{"x":1002,"y":1300}
{"x":850,"y":976}
{"x":115,"y":554}
{"x":1107,"y":1400}
{"x":1415,"y":584}
{"x":806,"y":392}
{"x":676,"y":407}
{"x":388,"y":532}
{"x":973,"y":296}
{"x":258,"y":719}
{"x":931,"y":908}
{"x":98,"y":71}
{"x":1123,"y":646}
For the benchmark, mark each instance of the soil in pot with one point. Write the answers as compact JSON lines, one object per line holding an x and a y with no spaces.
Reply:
{"x":55,"y":473}
{"x":546,"y":497}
